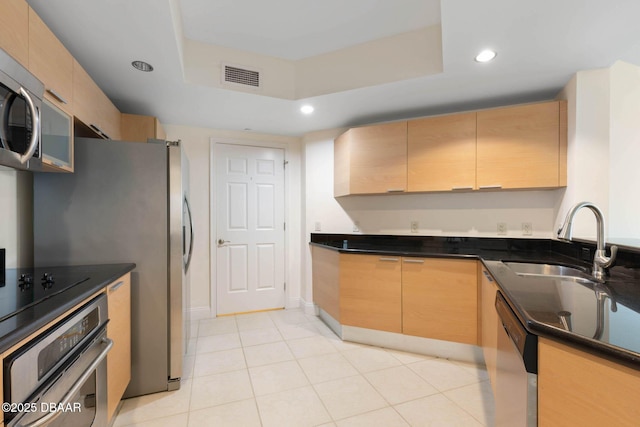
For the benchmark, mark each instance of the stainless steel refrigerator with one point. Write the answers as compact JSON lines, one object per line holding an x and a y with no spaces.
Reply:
{"x":127,"y":202}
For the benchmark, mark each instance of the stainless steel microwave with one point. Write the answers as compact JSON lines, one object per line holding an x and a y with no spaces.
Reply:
{"x":20,"y":105}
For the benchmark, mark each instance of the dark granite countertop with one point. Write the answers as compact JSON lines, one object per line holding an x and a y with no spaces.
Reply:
{"x":608,"y":327}
{"x":14,"y":328}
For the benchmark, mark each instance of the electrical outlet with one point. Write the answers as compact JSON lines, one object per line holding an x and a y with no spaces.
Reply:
{"x":414,"y":226}
{"x":318,"y":226}
{"x":356,"y":227}
{"x":502,"y":229}
{"x":527,"y":229}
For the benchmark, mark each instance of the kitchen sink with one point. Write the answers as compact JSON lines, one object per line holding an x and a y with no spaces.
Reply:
{"x":552,"y":271}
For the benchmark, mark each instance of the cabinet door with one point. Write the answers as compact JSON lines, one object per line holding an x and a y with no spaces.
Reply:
{"x":489,"y":323}
{"x":520,"y":147}
{"x":440,"y":299}
{"x":50,"y":62}
{"x":370,"y":292}
{"x":14,"y":29}
{"x":57,"y":138}
{"x":377,"y":159}
{"x":576,"y":388}
{"x":119,"y":330}
{"x":92,"y":107}
{"x":137,"y":128}
{"x":442,"y":153}
{"x":326,"y":280}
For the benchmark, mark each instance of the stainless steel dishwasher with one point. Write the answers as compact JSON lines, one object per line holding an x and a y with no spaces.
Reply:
{"x":516,"y":370}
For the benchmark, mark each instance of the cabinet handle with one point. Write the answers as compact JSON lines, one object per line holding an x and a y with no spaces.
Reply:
{"x":100,"y":131}
{"x":395,"y":190}
{"x":116,"y":286}
{"x":489,"y":187}
{"x":487,"y":275}
{"x":57,"y":96}
{"x":461,"y":188}
{"x":388,"y":259}
{"x":413,"y":261}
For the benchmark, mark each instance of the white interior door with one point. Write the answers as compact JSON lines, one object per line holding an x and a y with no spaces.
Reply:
{"x":249,"y":241}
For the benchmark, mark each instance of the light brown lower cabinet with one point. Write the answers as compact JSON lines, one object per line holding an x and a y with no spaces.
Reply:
{"x":370,"y":292}
{"x":440,"y":299}
{"x":489,"y":323}
{"x":577,"y":388}
{"x":119,"y":330}
{"x":326,"y":280}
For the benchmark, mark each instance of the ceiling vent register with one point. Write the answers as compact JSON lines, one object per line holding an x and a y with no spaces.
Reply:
{"x":241,"y":76}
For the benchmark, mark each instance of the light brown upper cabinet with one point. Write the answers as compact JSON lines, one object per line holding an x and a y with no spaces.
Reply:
{"x":92,"y":107}
{"x":371,"y":160}
{"x":440,"y":299}
{"x":442,"y":153}
{"x":522,"y":147}
{"x":50,"y":62}
{"x":14,"y":29}
{"x":137,"y":128}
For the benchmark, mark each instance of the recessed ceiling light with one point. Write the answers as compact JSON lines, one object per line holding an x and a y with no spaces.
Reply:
{"x":306,"y":109}
{"x":142,"y":66}
{"x":486,"y":56}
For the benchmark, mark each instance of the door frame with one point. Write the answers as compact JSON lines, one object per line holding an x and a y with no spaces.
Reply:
{"x":213,"y":224}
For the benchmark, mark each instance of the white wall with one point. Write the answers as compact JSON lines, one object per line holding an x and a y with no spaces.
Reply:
{"x":587,"y":96}
{"x":603,"y":152}
{"x":624,"y":160}
{"x":197,"y":144}
{"x":16,"y":227}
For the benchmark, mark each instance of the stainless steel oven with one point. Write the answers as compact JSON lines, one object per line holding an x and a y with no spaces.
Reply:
{"x":20,"y":104}
{"x":60,"y":378}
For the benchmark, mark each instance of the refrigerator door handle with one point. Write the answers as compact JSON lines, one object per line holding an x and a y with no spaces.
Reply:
{"x":188,"y":260}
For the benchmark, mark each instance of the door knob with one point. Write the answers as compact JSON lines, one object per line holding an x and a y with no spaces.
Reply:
{"x":222,"y":242}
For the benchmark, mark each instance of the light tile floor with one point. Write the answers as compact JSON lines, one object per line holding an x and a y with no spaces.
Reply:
{"x":285,"y":368}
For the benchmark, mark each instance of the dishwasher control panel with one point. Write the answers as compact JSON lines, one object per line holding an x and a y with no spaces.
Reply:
{"x":525,"y":342}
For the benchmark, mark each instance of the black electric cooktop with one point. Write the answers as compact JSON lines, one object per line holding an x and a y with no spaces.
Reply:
{"x":24,"y":287}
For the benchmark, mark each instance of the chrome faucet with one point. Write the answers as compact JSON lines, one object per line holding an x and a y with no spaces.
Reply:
{"x":600,"y":259}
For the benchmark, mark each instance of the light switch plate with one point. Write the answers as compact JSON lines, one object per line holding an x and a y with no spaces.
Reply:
{"x":414,"y":226}
{"x":527,"y":229}
{"x":502,"y":229}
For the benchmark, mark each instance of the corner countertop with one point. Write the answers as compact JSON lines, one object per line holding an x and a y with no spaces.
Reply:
{"x":605,"y":327}
{"x":19,"y":326}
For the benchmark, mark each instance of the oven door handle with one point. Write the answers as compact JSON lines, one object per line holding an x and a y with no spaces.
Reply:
{"x":66,"y":399}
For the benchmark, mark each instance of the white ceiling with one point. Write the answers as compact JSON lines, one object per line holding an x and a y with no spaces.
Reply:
{"x":295,"y":29}
{"x":540,"y":44}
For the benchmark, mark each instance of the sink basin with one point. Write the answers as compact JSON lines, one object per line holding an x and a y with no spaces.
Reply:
{"x":552,"y":271}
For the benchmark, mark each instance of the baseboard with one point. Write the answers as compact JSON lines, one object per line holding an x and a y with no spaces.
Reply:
{"x":309,"y":307}
{"x":395,"y":341}
{"x":332,"y":323}
{"x":199,"y":313}
{"x":293,"y":302}
{"x":427,"y":346}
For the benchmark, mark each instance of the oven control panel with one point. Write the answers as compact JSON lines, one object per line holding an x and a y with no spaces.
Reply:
{"x":65,"y":342}
{"x":29,"y":367}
